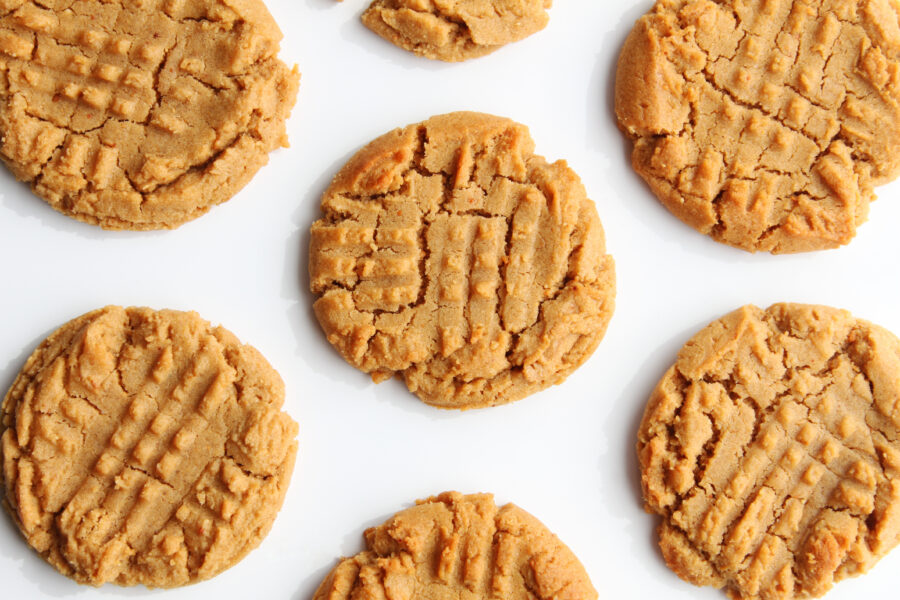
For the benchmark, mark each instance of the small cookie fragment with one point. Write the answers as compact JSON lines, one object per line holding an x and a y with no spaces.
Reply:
{"x":190,"y":97}
{"x":453,"y":255}
{"x":145,"y":447}
{"x":455,"y":30}
{"x":460,"y":546}
{"x":770,"y":449}
{"x":764,"y":124}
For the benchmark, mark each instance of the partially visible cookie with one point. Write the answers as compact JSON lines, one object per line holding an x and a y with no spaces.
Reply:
{"x":764,"y":124}
{"x":140,"y":115}
{"x":455,"y":30}
{"x":771,"y":449}
{"x":145,"y":447}
{"x":453,"y":255}
{"x":456,"y":546}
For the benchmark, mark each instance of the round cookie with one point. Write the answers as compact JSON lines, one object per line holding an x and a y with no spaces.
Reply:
{"x":456,"y":546}
{"x":771,"y":449}
{"x":145,"y":447}
{"x":140,"y":115}
{"x":453,"y":255}
{"x":455,"y":30}
{"x":764,"y":124}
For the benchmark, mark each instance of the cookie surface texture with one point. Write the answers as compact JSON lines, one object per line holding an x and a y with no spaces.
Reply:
{"x":765,"y":124}
{"x":455,"y":30}
{"x":140,"y":114}
{"x":453,"y":255}
{"x":460,"y":546}
{"x":145,"y":447}
{"x":772,"y":451}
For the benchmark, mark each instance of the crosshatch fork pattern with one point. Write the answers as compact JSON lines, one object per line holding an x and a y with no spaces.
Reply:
{"x":765,"y":124}
{"x":460,"y":546}
{"x":772,"y":451}
{"x":145,"y":447}
{"x":451,"y":254}
{"x":142,"y":114}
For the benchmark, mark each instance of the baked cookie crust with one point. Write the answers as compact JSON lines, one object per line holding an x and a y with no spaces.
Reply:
{"x":140,"y":114}
{"x":771,"y":450}
{"x":145,"y":447}
{"x":764,"y":124}
{"x":451,"y":254}
{"x":460,"y":546}
{"x":455,"y":30}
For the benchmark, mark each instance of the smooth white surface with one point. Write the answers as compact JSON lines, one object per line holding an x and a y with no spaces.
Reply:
{"x":366,"y":451}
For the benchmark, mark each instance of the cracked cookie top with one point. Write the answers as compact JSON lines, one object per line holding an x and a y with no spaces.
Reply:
{"x":140,"y":114}
{"x":765,"y":124}
{"x":772,"y":451}
{"x":145,"y":447}
{"x":456,"y":546}
{"x":455,"y":30}
{"x":453,"y":255}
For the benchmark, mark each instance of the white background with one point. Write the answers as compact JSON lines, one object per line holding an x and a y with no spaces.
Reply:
{"x":366,"y":451}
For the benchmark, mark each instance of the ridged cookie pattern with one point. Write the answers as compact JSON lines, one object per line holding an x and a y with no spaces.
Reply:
{"x":451,"y":254}
{"x":145,"y":447}
{"x":765,"y":124}
{"x":772,"y":451}
{"x":455,"y":30}
{"x":460,"y":546}
{"x":140,"y":114}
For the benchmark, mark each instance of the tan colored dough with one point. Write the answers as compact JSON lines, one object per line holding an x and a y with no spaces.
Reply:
{"x":455,"y":30}
{"x":454,"y":256}
{"x":140,"y":114}
{"x":765,"y":124}
{"x":456,"y":546}
{"x":771,"y":449}
{"x":145,"y":447}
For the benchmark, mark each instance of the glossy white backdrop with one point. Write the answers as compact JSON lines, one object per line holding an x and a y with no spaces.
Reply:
{"x":366,"y":451}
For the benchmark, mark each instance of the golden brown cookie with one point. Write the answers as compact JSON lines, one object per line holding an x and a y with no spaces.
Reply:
{"x":455,"y":30}
{"x":143,"y":446}
{"x":765,"y":124}
{"x":772,"y":451}
{"x":142,"y":114}
{"x":454,"y":256}
{"x":456,"y":546}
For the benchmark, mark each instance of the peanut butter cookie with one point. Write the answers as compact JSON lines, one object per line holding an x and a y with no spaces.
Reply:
{"x":765,"y":124}
{"x":143,"y":446}
{"x":140,"y":114}
{"x":771,"y":449}
{"x":455,"y":30}
{"x":455,"y":546}
{"x":453,"y":255}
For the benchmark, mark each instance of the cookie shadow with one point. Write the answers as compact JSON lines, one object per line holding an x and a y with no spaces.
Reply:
{"x":604,"y":85}
{"x":641,"y":385}
{"x":630,"y":188}
{"x":311,"y":583}
{"x":139,"y":591}
{"x":11,"y":370}
{"x":602,"y":90}
{"x":46,"y":579}
{"x":20,"y":200}
{"x":377,"y":48}
{"x":33,"y":568}
{"x":322,"y":4}
{"x":395,"y":393}
{"x":300,"y":316}
{"x":352,"y":544}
